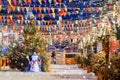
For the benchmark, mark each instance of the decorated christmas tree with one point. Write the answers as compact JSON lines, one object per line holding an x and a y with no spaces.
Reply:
{"x":17,"y":57}
{"x":33,"y":41}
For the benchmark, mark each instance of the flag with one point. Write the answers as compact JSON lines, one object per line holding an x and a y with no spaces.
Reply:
{"x":70,"y":1}
{"x":53,"y":9}
{"x":27,"y":9}
{"x":40,"y":1}
{"x":50,"y":1}
{"x":9,"y":1}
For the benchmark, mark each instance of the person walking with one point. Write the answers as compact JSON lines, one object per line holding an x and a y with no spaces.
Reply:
{"x":53,"y":57}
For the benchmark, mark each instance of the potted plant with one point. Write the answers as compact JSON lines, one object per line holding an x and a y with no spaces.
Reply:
{"x":113,"y":72}
{"x":79,"y":60}
{"x":85,"y":63}
{"x":98,"y":64}
{"x":88,"y":62}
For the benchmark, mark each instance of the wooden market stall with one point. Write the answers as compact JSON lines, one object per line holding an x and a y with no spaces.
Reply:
{"x":69,"y":58}
{"x":65,"y":58}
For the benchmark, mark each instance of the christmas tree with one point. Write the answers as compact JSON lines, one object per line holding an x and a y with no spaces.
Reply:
{"x":17,"y":57}
{"x":33,"y":41}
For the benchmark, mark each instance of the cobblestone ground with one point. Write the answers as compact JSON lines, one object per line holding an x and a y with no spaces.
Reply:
{"x":58,"y":72}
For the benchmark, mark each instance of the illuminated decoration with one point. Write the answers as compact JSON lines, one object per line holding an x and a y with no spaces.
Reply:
{"x":76,"y":16}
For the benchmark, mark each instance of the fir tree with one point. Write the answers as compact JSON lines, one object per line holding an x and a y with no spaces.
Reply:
{"x":33,"y":41}
{"x":17,"y":57}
